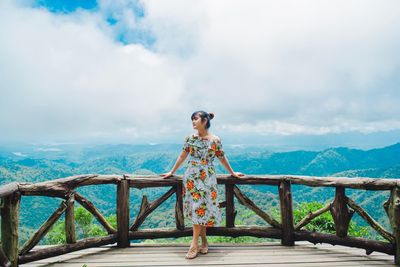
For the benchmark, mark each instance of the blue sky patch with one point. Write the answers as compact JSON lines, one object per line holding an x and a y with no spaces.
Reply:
{"x":62,"y":6}
{"x":122,"y":33}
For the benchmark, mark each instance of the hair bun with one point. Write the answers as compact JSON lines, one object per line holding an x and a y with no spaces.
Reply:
{"x":211,"y":115}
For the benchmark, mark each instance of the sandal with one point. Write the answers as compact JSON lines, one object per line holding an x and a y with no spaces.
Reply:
{"x":203,"y":250}
{"x":192,"y":253}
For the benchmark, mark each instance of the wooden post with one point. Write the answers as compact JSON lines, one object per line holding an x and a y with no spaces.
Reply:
{"x":9,"y":227}
{"x":179,"y":218}
{"x":70,"y":220}
{"x":230,"y":206}
{"x":340,"y":212}
{"x":123,"y":213}
{"x":393,"y":210}
{"x":285,"y":196}
{"x":4,"y":262}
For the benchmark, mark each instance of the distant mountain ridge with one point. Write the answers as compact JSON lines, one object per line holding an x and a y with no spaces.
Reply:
{"x":38,"y":165}
{"x":31,"y":164}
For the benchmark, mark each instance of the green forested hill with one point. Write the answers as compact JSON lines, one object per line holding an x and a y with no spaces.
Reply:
{"x":34,"y":164}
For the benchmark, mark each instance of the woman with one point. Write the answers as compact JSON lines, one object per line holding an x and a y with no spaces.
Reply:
{"x":200,"y":201}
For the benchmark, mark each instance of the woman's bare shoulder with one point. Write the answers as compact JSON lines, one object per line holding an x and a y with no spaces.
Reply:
{"x":215,"y":137}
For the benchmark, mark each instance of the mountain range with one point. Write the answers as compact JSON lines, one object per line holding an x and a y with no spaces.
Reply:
{"x":39,"y":163}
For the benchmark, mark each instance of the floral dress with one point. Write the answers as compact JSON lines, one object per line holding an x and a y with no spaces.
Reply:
{"x":200,"y":200}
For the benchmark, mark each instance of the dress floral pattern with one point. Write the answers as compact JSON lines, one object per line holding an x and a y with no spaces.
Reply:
{"x":200,"y":196}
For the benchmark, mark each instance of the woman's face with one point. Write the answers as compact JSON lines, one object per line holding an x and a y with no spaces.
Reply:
{"x":197,"y":124}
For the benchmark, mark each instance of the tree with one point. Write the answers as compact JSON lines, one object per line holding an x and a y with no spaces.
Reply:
{"x":324,"y":223}
{"x":85,"y":226}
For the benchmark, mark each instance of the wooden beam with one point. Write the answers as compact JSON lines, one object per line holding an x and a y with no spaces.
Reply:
{"x":374,"y":224}
{"x":67,"y":248}
{"x":314,"y":181}
{"x":60,"y":187}
{"x":222,"y":204}
{"x":386,"y":206}
{"x":153,"y":181}
{"x":44,"y":228}
{"x":256,"y":231}
{"x":61,"y":193}
{"x":4,"y":261}
{"x":146,"y":208}
{"x":179,"y":217}
{"x":123,"y":213}
{"x":8,"y":189}
{"x":285,"y":196}
{"x":9,"y":226}
{"x":347,"y":182}
{"x":309,"y":217}
{"x":340,"y":213}
{"x":70,"y":235}
{"x":230,"y":206}
{"x":394,"y":218}
{"x":89,"y":206}
{"x":244,"y":200}
{"x":354,"y":242}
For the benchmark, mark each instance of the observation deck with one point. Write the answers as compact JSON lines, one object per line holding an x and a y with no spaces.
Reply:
{"x":116,"y":249}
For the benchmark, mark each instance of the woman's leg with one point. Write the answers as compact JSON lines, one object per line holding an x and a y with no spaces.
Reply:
{"x":203,"y":235}
{"x":196,"y":233}
{"x":193,"y":249}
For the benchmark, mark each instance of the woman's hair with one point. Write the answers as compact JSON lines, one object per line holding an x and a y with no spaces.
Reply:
{"x":204,"y":115}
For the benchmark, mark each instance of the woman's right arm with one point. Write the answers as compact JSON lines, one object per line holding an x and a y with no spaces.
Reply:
{"x":181,"y":158}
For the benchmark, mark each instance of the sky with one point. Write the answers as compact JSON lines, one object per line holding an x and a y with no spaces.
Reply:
{"x":283,"y":73}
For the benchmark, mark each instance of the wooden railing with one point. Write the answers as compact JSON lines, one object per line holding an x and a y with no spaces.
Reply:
{"x":342,"y":209}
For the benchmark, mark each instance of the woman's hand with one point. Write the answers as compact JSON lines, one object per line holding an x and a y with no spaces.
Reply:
{"x":166,"y":175}
{"x":237,"y":174}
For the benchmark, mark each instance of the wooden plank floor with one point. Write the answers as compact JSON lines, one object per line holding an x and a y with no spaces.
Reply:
{"x":220,"y":255}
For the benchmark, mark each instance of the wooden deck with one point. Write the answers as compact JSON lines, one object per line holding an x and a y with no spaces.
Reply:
{"x":255,"y":254}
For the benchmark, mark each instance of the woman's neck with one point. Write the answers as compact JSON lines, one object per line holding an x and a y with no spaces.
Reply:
{"x":202,"y":133}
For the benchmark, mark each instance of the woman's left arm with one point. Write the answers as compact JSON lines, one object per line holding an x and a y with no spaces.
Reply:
{"x":220,"y":154}
{"x":224,"y":161}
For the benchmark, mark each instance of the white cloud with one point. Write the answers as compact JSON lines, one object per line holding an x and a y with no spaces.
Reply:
{"x":267,"y":67}
{"x":62,"y":77}
{"x":317,"y":64}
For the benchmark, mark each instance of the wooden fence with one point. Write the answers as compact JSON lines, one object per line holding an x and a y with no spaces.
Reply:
{"x":341,"y":207}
